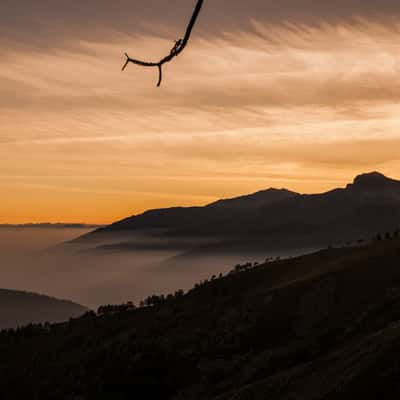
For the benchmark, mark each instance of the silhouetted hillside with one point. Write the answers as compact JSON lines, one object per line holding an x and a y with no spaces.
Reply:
{"x":322,"y":326}
{"x":180,"y":217}
{"x":265,"y":221}
{"x":21,"y":308}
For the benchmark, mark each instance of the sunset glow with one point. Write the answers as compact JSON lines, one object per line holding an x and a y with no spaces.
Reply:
{"x":305,"y":103}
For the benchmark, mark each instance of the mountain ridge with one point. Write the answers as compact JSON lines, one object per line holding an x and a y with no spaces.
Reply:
{"x":273,"y":217}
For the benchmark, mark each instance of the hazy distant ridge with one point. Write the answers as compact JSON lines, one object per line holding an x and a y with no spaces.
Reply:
{"x":270,"y":219}
{"x":51,"y":225}
{"x":18,"y":308}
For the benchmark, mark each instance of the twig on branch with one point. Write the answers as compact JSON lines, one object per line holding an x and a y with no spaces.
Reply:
{"x":175,"y":51}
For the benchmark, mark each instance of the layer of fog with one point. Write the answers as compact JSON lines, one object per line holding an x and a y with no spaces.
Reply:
{"x":91,"y":278}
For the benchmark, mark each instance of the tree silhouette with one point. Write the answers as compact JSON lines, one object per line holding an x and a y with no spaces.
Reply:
{"x":179,"y":46}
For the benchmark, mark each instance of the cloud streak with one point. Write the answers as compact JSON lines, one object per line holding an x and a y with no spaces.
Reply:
{"x":267,"y":96}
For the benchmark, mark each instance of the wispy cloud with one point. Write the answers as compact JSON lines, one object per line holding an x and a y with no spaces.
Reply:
{"x":250,"y":105}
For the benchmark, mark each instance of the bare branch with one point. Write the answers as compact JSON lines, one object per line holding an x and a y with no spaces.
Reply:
{"x":179,"y":46}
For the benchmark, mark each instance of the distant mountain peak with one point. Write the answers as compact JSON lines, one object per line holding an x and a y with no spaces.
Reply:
{"x":372,"y":180}
{"x":371,"y":176}
{"x":272,"y":219}
{"x":262,"y":197}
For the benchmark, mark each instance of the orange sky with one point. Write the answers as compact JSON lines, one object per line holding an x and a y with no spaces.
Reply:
{"x":285,"y":102}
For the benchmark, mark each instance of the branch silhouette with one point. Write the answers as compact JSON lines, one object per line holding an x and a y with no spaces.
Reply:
{"x":179,"y":46}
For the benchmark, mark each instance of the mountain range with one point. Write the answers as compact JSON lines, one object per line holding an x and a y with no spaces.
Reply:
{"x":47,"y":225}
{"x":269,"y":220}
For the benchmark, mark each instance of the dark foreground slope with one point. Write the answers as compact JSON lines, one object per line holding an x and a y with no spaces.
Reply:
{"x":322,"y":326}
{"x":21,"y":308}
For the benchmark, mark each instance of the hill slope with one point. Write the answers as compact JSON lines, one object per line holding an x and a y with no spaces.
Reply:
{"x":322,"y":326}
{"x":265,"y":221}
{"x":21,"y":308}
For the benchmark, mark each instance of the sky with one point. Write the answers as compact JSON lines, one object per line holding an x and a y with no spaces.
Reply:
{"x":299,"y":94}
